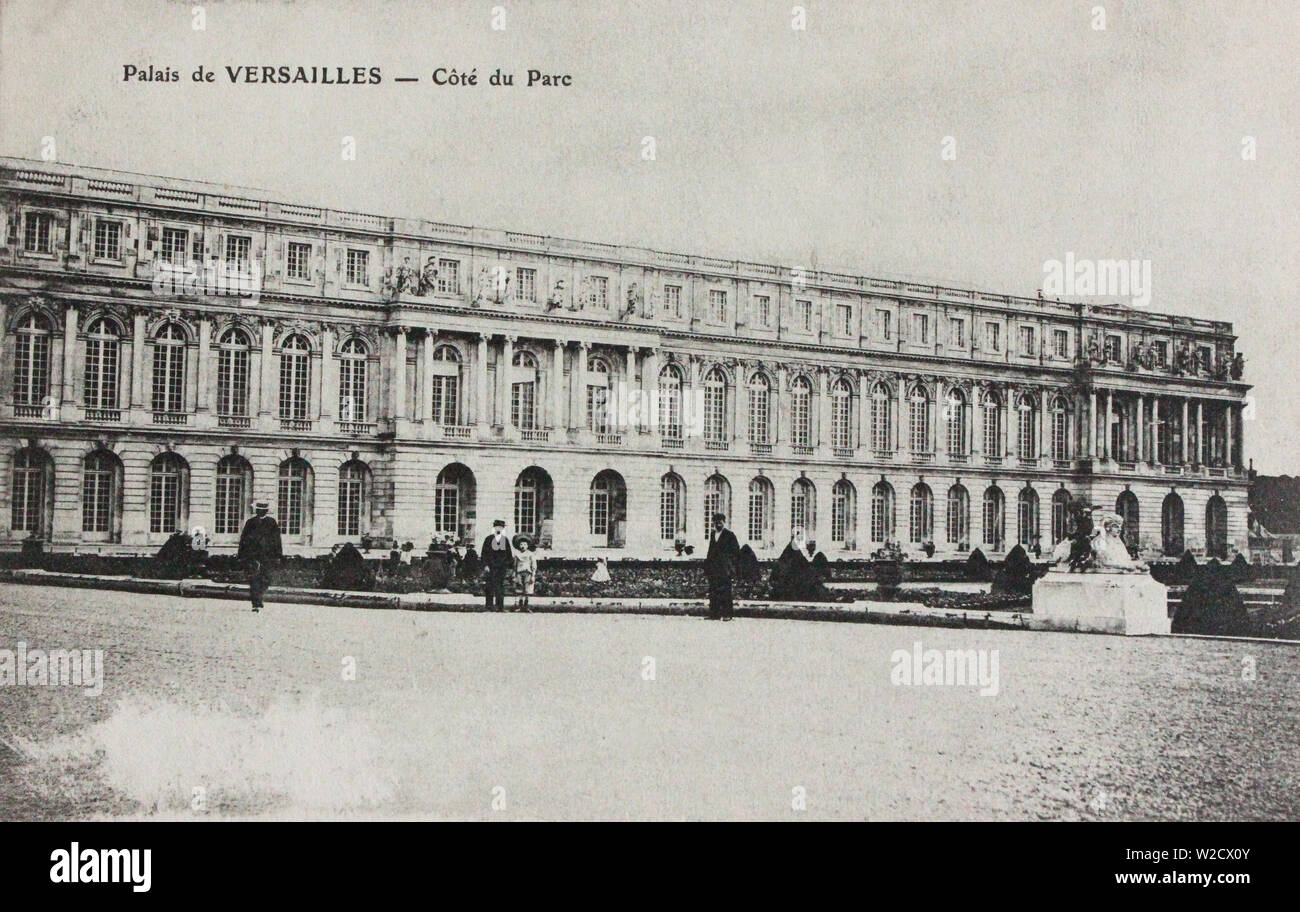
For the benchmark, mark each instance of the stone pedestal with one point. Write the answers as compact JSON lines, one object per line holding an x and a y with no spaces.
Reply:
{"x":1131,"y":604}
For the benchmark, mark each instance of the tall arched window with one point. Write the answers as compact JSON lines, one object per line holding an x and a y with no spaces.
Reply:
{"x":445,"y":394}
{"x":1126,"y":505}
{"x":32,"y":361}
{"x":958,"y":516}
{"x":800,"y":412}
{"x":882,"y":512}
{"x":881,"y":418}
{"x":523,"y":391}
{"x":354,"y":499}
{"x":919,"y":420}
{"x":1060,"y":516}
{"x":103,"y":345}
{"x":598,"y":396}
{"x":607,"y":508}
{"x":717,"y":498}
{"x":533,"y":501}
{"x":803,"y":507}
{"x":1060,"y":428}
{"x":842,"y":415}
{"x":1171,"y":525}
{"x":353,"y":360}
{"x":715,"y":405}
{"x":670,"y":402}
{"x":672,"y":507}
{"x":995,"y":520}
{"x":760,"y":510}
{"x":920,"y":520}
{"x":1027,"y":517}
{"x":295,"y":379}
{"x":760,"y":402}
{"x":294,"y":500}
{"x":101,"y":491}
{"x":168,"y":494}
{"x":169,"y":369}
{"x":1216,"y":527}
{"x":32,"y":481}
{"x":1026,"y":427}
{"x":956,"y":420}
{"x":844,"y":513}
{"x":453,"y":498}
{"x":992,"y":425}
{"x":232,"y":373}
{"x":234,"y":493}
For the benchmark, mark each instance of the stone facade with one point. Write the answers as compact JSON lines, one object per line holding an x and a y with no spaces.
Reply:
{"x":398,"y":378}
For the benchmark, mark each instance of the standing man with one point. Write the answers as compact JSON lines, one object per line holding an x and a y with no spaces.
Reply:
{"x":259,"y":550}
{"x":720,"y":566}
{"x":499,"y":558}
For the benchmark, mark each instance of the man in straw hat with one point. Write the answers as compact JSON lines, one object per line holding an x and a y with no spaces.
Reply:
{"x":259,"y":549}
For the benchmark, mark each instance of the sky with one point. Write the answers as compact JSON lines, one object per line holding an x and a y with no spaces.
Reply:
{"x":821,"y":146}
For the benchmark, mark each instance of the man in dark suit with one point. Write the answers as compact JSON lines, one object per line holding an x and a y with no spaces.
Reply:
{"x":720,"y":566}
{"x":259,"y":550}
{"x":499,"y":558}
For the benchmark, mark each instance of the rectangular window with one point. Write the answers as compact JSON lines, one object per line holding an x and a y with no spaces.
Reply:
{"x":38,"y":232}
{"x":673,"y":300}
{"x":108,"y":240}
{"x":763,"y":310}
{"x":449,"y":276}
{"x":526,"y":285}
{"x":921,"y":328}
{"x":844,"y":319}
{"x":884,"y":325}
{"x":1203,"y":358}
{"x":164,"y":501}
{"x":958,"y":329}
{"x":597,"y":409}
{"x":357,"y":263}
{"x":717,"y":306}
{"x":292,"y":489}
{"x":1161,"y":351}
{"x":1112,"y":350}
{"x":803,"y":315}
{"x":1061,"y":343}
{"x":299,"y":255}
{"x":1027,"y":340}
{"x":444,"y":398}
{"x":239,"y":250}
{"x":175,"y":246}
{"x":600,"y":292}
{"x":993,"y":336}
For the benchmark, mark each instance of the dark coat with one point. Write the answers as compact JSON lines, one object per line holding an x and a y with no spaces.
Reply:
{"x":502,"y":561}
{"x":723,"y":557}
{"x":260,"y":540}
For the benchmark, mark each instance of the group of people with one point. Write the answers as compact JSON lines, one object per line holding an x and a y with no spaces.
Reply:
{"x":503,"y":556}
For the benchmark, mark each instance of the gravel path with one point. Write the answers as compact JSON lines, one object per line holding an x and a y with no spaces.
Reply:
{"x":552,"y":716}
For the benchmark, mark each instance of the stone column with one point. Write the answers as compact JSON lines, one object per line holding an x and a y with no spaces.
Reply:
{"x":480,"y":384}
{"x":823,"y":437}
{"x":205,"y":365}
{"x":940,"y":420}
{"x":1201,"y":454}
{"x":649,"y":389}
{"x":426,"y":382}
{"x":1227,"y":431}
{"x":1141,"y":427}
{"x":137,"y":359}
{"x":901,"y":444}
{"x":864,"y":411}
{"x":1108,"y":437}
{"x":578,"y":396}
{"x":1008,"y":409}
{"x":741,"y":430}
{"x":620,"y":403}
{"x":267,"y":378}
{"x":69,"y":356}
{"x":329,"y":383}
{"x":557,"y":385}
{"x":1092,"y":424}
{"x":1184,"y":431}
{"x":505,"y":370}
{"x":777,"y":414}
{"x":399,"y":374}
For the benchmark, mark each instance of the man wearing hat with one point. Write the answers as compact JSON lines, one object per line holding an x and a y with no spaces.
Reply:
{"x":499,"y":558}
{"x":259,"y":549}
{"x":720,"y":566}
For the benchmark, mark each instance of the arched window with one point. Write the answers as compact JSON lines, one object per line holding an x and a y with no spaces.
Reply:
{"x":717,"y":498}
{"x":354,"y":499}
{"x":882,"y":512}
{"x":842,"y":415}
{"x":169,"y":370}
{"x":232,"y":373}
{"x":760,"y":510}
{"x":715,"y":405}
{"x":1216,"y":527}
{"x":532,"y":502}
{"x":33,"y":476}
{"x":760,"y":401}
{"x":1060,"y":428}
{"x":800,"y":412}
{"x":1171,"y":525}
{"x":101,"y":492}
{"x":803,"y":507}
{"x":956,"y":420}
{"x":523,"y":391}
{"x":32,"y":361}
{"x":169,"y":481}
{"x":607,"y":509}
{"x":672,"y":507}
{"x":102,"y":358}
{"x":1027,"y":517}
{"x":295,"y":380}
{"x":670,"y":402}
{"x":353,"y":361}
{"x":1026,"y":427}
{"x":995,"y":520}
{"x":844,"y":513}
{"x":919,"y":420}
{"x":294,"y":500}
{"x":445,"y":393}
{"x":881,"y":418}
{"x":1060,"y":516}
{"x":1126,"y":505}
{"x":920,"y":525}
{"x":453,"y":499}
{"x":958,"y":517}
{"x":598,"y":396}
{"x":992,"y":425}
{"x":234,"y":493}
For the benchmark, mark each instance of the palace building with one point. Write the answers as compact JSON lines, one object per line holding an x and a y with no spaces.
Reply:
{"x":395,"y":378}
